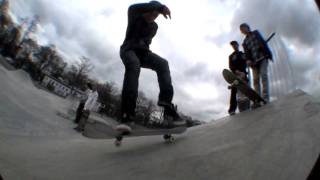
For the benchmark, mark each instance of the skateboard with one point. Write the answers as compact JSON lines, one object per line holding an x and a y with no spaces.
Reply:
{"x":97,"y":129}
{"x":242,"y":86}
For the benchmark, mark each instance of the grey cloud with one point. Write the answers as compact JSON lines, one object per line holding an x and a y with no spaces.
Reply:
{"x":72,"y":33}
{"x":297,"y":20}
{"x":72,"y":30}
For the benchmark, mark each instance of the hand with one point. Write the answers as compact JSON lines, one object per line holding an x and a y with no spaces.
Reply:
{"x":166,"y":12}
{"x":249,"y":63}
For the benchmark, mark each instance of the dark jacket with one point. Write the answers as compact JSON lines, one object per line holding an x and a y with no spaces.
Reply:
{"x":139,"y":32}
{"x":237,"y":61}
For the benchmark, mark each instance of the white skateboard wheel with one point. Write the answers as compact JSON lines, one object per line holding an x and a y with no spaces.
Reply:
{"x":117,"y":143}
{"x":168,"y":138}
{"x":171,"y":139}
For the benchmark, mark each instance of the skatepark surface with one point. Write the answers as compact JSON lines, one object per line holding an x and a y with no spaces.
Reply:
{"x":277,"y":141}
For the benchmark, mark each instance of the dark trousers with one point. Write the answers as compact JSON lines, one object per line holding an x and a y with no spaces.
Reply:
{"x":79,"y":112}
{"x":233,"y":100}
{"x":133,"y":61}
{"x":233,"y":97}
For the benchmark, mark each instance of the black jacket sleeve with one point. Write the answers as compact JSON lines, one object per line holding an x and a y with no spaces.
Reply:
{"x":231,"y":65}
{"x":138,"y":9}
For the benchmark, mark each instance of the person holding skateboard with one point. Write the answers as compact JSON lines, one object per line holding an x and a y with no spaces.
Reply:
{"x":135,"y":54}
{"x":237,"y":65}
{"x":258,"y":54}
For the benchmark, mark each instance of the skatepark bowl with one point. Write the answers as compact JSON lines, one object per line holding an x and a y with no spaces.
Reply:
{"x":277,"y":141}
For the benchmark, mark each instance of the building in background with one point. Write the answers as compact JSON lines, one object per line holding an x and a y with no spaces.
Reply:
{"x":59,"y":87}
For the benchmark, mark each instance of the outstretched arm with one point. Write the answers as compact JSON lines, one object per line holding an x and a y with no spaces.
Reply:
{"x":141,"y":8}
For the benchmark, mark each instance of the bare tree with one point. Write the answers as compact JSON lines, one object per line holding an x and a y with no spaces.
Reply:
{"x":84,"y":67}
{"x":78,"y":74}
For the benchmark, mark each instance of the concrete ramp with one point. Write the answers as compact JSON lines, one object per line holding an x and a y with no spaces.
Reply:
{"x":278,"y":141}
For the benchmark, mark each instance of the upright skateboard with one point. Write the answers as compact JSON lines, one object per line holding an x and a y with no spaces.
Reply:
{"x":242,"y":86}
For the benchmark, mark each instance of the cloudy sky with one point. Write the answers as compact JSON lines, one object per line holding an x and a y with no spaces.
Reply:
{"x":195,"y":41}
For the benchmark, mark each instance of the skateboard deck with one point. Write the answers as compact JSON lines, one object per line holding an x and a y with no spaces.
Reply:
{"x":242,"y":86}
{"x":101,"y":130}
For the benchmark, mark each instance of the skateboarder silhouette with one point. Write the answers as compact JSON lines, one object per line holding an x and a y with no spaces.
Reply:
{"x":135,"y":54}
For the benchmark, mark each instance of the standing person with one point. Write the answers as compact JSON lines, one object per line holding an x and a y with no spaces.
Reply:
{"x":237,"y":64}
{"x":88,"y":106}
{"x":258,"y":55}
{"x":82,"y":103}
{"x":135,"y":53}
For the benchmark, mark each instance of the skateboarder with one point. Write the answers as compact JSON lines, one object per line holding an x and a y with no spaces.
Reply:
{"x":258,"y":55}
{"x":237,"y":64}
{"x":135,"y":53}
{"x":88,"y":106}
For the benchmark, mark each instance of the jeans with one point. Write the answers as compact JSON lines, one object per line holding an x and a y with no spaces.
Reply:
{"x":260,"y":73}
{"x":233,"y":100}
{"x":79,"y":112}
{"x":133,"y":61}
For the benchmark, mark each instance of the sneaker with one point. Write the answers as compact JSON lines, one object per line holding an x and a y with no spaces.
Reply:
{"x":124,"y":128}
{"x":126,"y":124}
{"x":232,"y":113}
{"x":256,"y":105}
{"x":78,"y":129}
{"x":172,"y":116}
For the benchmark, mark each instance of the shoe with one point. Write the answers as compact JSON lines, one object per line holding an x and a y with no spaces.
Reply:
{"x":78,"y":129}
{"x":125,"y":128}
{"x":172,"y":117}
{"x":256,"y":105}
{"x":126,"y":124}
{"x":232,"y":113}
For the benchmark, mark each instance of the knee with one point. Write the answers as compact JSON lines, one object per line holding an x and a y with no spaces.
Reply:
{"x":133,"y":68}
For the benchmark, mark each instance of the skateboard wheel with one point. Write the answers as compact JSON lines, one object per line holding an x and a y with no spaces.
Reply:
{"x":117,"y":143}
{"x":166,"y":136}
{"x":169,"y":138}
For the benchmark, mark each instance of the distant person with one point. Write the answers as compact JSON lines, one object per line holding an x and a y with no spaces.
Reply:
{"x":82,"y":102}
{"x":258,"y":55}
{"x":88,"y":105}
{"x":237,"y":65}
{"x":135,"y":54}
